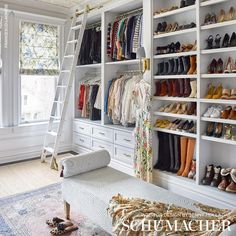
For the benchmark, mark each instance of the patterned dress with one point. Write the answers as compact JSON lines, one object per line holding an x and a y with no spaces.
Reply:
{"x":143,"y":132}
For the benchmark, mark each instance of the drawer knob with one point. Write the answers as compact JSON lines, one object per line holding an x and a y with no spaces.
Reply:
{"x":127,"y":140}
{"x":101,"y":147}
{"x":81,"y":128}
{"x":102,"y":133}
{"x":127,"y":155}
{"x":81,"y":140}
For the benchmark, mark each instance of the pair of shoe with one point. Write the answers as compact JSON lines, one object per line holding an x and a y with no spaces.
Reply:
{"x":166,"y":28}
{"x":192,"y":172}
{"x":162,"y":123}
{"x":214,"y":92}
{"x":179,"y":108}
{"x":222,"y":178}
{"x":229,"y":94}
{"x":230,"y":132}
{"x":228,"y":113}
{"x":181,"y":66}
{"x":182,"y":126}
{"x":187,"y":3}
{"x":214,"y":129}
{"x":176,"y":88}
{"x":230,"y":66}
{"x":163,"y":10}
{"x":227,"y":41}
{"x":216,"y":67}
{"x":213,"y":112}
{"x":171,"y":48}
{"x":221,"y":17}
{"x":187,"y":153}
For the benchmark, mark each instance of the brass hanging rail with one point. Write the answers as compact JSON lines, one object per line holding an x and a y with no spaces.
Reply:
{"x":132,"y":72}
{"x":129,"y":13}
{"x":97,"y":24}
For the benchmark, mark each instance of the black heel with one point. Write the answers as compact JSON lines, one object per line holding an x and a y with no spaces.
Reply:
{"x":226,"y":42}
{"x":233,"y":40}
{"x":217,"y":41}
{"x":177,"y":47}
{"x":210,"y":42}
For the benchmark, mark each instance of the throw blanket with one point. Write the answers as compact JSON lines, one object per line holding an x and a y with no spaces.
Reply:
{"x":139,"y":217}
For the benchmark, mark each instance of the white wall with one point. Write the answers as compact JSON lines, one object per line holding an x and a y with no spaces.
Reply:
{"x":20,"y":142}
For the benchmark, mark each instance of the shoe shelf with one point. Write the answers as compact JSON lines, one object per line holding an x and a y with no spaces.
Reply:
{"x":212,"y":2}
{"x":223,"y":75}
{"x":218,"y":140}
{"x":218,"y":50}
{"x":176,"y":99}
{"x":175,"y":33}
{"x":180,"y":116}
{"x":175,"y":76}
{"x":180,"y":54}
{"x":125,"y":62}
{"x":218,"y":101}
{"x":175,"y":12}
{"x":180,"y":133}
{"x":218,"y":120}
{"x":217,"y":25}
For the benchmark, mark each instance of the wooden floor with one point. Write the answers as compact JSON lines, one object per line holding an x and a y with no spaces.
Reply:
{"x":27,"y":176}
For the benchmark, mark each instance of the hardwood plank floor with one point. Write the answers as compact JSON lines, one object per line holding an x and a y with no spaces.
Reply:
{"x":27,"y":176}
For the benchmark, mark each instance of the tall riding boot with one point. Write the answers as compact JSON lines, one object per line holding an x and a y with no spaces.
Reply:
{"x":158,"y":88}
{"x":172,"y":154}
{"x":166,"y":153}
{"x":183,"y":150}
{"x":181,"y":87}
{"x":176,"y":66}
{"x":160,"y":68}
{"x":186,"y":64}
{"x":180,"y":66}
{"x":189,"y":158}
{"x":194,"y":89}
{"x":159,"y":164}
{"x":171,"y":64}
{"x":170,"y":87}
{"x":176,"y":88}
{"x":193,"y":63}
{"x":187,"y":88}
{"x":163,"y":89}
{"x":166,"y":68}
{"x":177,"y":153}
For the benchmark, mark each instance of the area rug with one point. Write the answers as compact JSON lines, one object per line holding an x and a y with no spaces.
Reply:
{"x":25,"y":214}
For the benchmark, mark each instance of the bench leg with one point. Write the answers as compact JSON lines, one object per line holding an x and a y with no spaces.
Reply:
{"x":67,"y":210}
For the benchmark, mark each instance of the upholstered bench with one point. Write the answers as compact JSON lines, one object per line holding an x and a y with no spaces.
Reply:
{"x":89,"y":184}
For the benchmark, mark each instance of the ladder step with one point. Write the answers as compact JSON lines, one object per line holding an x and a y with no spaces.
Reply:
{"x":55,"y":117}
{"x":76,"y":27}
{"x":58,"y":102}
{"x":69,"y":56}
{"x":49,"y":149}
{"x":61,"y":86}
{"x":65,"y":71}
{"x":52,"y":133}
{"x":72,"y":41}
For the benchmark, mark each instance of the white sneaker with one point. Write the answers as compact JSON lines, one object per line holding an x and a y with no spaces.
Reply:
{"x":209,"y":111}
{"x":217,"y":112}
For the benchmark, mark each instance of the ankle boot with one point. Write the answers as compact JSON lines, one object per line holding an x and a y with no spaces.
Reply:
{"x":225,"y":176}
{"x":193,"y":63}
{"x":189,"y":158}
{"x":163,"y":89}
{"x":171,"y":64}
{"x":209,"y":175}
{"x":160,"y":68}
{"x":177,"y":153}
{"x":232,"y":187}
{"x":181,"y":87}
{"x":158,"y":88}
{"x":172,"y":154}
{"x":176,"y":88}
{"x":183,"y":150}
{"x":193,"y":89}
{"x":192,"y":172}
{"x":176,"y":66}
{"x":166,"y":68}
{"x":187,"y":88}
{"x":217,"y":177}
{"x":186,"y":64}
{"x":170,"y":87}
{"x":180,"y":66}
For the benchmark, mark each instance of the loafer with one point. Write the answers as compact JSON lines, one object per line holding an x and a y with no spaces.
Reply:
{"x":209,"y":175}
{"x":225,"y":176}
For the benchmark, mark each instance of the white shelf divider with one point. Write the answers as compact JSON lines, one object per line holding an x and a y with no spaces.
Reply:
{"x":218,"y":101}
{"x":223,"y":75}
{"x":212,"y":2}
{"x":169,"y":131}
{"x":218,"y":50}
{"x":218,"y":25}
{"x":177,"y":99}
{"x":179,"y":116}
{"x":98,"y":65}
{"x":218,"y":140}
{"x":125,"y":62}
{"x":218,"y":120}
{"x":180,"y":54}
{"x":175,"y":33}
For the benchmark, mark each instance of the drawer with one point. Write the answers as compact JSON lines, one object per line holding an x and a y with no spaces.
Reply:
{"x":102,"y":133}
{"x":82,"y":128}
{"x":82,"y":140}
{"x":99,"y":144}
{"x":124,"y":139}
{"x":124,"y":155}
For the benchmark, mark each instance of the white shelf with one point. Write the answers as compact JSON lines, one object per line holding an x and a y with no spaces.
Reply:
{"x":212,"y":2}
{"x":218,"y":140}
{"x":179,"y":116}
{"x":174,"y":12}
{"x":98,"y":65}
{"x":217,"y":25}
{"x":177,"y":99}
{"x":218,"y":101}
{"x":175,"y":55}
{"x":218,"y":120}
{"x":175,"y":76}
{"x":223,"y":75}
{"x":125,"y":62}
{"x":179,"y":32}
{"x":169,"y":131}
{"x":218,"y":50}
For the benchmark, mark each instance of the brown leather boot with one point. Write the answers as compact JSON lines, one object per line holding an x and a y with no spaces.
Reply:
{"x":225,"y":175}
{"x":176,"y":88}
{"x":192,"y":172}
{"x":217,"y":177}
{"x":158,"y":88}
{"x":183,"y":152}
{"x":170,"y":87}
{"x":187,"y":88}
{"x":189,"y":157}
{"x":163,"y":89}
{"x":232,"y":187}
{"x":209,"y":175}
{"x":193,"y":63}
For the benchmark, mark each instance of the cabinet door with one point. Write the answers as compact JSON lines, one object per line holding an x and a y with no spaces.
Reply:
{"x":102,"y":133}
{"x":82,"y":140}
{"x":99,"y":144}
{"x":124,"y":138}
{"x":82,"y":128}
{"x":124,"y":155}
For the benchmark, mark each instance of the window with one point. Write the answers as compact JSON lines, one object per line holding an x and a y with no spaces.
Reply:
{"x":39,"y":68}
{"x":1,"y":23}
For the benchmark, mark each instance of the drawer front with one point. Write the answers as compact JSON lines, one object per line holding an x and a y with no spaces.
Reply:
{"x":124,"y":139}
{"x":102,"y":133}
{"x":82,"y":140}
{"x":124,"y":155}
{"x":99,"y":144}
{"x":82,"y":128}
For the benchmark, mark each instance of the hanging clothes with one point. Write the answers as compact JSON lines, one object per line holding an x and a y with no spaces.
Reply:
{"x":143,"y":165}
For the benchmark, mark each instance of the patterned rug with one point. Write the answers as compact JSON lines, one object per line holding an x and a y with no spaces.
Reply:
{"x":25,"y":214}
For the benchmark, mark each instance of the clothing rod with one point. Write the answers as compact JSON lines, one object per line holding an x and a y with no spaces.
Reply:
{"x":130,"y":12}
{"x":128,"y":72}
{"x":98,"y":24}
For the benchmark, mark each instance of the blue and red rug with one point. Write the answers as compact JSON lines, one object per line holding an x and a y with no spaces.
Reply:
{"x":25,"y":214}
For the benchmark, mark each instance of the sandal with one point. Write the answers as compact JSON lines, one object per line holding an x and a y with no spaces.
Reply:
{"x":228,"y":132}
{"x":233,"y":94}
{"x":54,"y":222}
{"x":63,"y":228}
{"x":226,"y":94}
